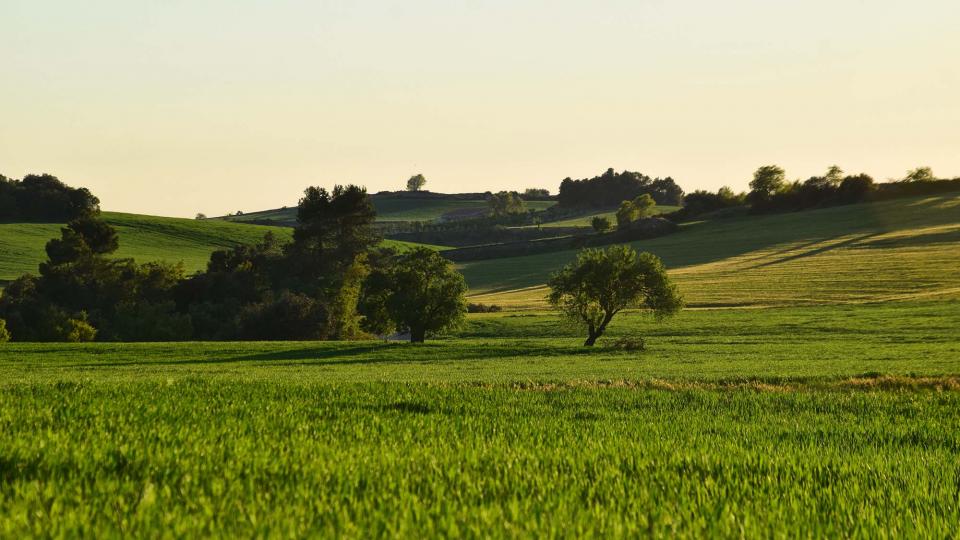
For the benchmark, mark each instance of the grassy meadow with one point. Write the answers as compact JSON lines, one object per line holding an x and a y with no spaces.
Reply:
{"x":144,"y":238}
{"x":812,"y":391}
{"x":831,"y":420}
{"x":892,"y":250}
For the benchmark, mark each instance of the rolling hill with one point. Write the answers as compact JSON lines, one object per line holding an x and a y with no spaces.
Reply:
{"x":144,"y":238}
{"x":393,"y":209}
{"x":900,"y":249}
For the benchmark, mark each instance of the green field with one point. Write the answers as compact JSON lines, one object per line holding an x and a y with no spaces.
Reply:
{"x":814,"y":393}
{"x":144,"y":238}
{"x":402,"y":209}
{"x":836,"y":420}
{"x":587,"y":220}
{"x":893,"y":250}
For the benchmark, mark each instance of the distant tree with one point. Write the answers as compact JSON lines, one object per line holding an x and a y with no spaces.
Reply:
{"x":920,"y":174}
{"x":43,"y":197}
{"x":200,"y":216}
{"x":420,"y":293}
{"x":333,"y":228}
{"x":601,"y":224}
{"x":767,"y":181}
{"x":834,"y":175}
{"x":506,"y":203}
{"x":238,"y":213}
{"x":536,"y":193}
{"x":611,"y":187}
{"x":602,"y":283}
{"x":638,"y":208}
{"x":626,"y":214}
{"x":416,"y":182}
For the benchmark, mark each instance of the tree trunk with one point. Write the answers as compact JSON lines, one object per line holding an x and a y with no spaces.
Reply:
{"x":418,"y":335}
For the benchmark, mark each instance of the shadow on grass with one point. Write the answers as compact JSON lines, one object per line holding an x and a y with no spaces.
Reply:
{"x":368,"y":354}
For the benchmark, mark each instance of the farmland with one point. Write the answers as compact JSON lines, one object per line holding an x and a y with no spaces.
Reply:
{"x":812,"y":391}
{"x":499,"y":436}
{"x":868,"y":252}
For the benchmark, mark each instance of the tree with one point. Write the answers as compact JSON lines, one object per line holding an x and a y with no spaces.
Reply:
{"x":4,"y":333}
{"x":631,"y":211}
{"x":920,"y":174}
{"x":420,"y":293}
{"x":767,"y":181}
{"x":626,"y":214}
{"x":536,"y":193}
{"x":602,"y":283}
{"x":416,"y":182}
{"x":506,"y":203}
{"x":644,"y":204}
{"x":200,"y":216}
{"x":834,"y":175}
{"x":601,"y":224}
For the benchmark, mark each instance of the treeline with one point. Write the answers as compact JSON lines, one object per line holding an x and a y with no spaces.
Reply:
{"x":44,"y":198}
{"x":330,"y":282}
{"x":611,"y":188}
{"x":771,"y":192}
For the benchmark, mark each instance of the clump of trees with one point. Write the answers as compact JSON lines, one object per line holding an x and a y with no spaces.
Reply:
{"x":44,"y":198}
{"x":536,"y":194}
{"x":601,"y":283}
{"x":310,"y":288}
{"x":416,"y":182}
{"x":610,"y":188}
{"x":506,"y":203}
{"x":419,"y":293}
{"x":771,"y":192}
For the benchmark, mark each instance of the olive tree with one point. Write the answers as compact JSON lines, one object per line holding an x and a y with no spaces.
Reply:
{"x":602,"y":283}
{"x":420,"y":292}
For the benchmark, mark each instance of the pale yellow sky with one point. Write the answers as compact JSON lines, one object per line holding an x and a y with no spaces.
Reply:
{"x":178,"y":107}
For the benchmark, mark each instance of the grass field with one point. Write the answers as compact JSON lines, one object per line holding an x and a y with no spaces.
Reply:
{"x":892,"y":250}
{"x":393,"y":210}
{"x":836,"y":420}
{"x":586,"y":220}
{"x":832,"y":413}
{"x":144,"y":238}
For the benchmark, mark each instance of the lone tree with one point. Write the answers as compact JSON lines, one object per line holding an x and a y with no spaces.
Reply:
{"x":602,"y":283}
{"x":419,"y":293}
{"x":416,"y":182}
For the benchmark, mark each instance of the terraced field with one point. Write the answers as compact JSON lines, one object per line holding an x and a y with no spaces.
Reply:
{"x":894,"y":250}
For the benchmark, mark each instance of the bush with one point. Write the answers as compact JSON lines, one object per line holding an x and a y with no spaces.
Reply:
{"x":630,"y":343}
{"x":483,"y":308}
{"x":290,"y":316}
{"x":4,"y":333}
{"x":78,"y":330}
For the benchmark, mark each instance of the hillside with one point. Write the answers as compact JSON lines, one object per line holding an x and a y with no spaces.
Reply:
{"x":144,"y":238}
{"x":891,"y":250}
{"x":395,"y":209}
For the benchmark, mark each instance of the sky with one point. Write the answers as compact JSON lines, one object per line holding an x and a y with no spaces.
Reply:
{"x":176,"y":107}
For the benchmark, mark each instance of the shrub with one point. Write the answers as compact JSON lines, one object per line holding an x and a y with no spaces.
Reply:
{"x":4,"y":333}
{"x":483,"y":308}
{"x":630,"y":343}
{"x":78,"y":330}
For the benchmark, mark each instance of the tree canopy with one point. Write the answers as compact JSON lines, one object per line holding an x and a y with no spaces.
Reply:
{"x":43,"y":197}
{"x":602,"y":283}
{"x":416,"y":182}
{"x":611,"y":188}
{"x":419,"y":292}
